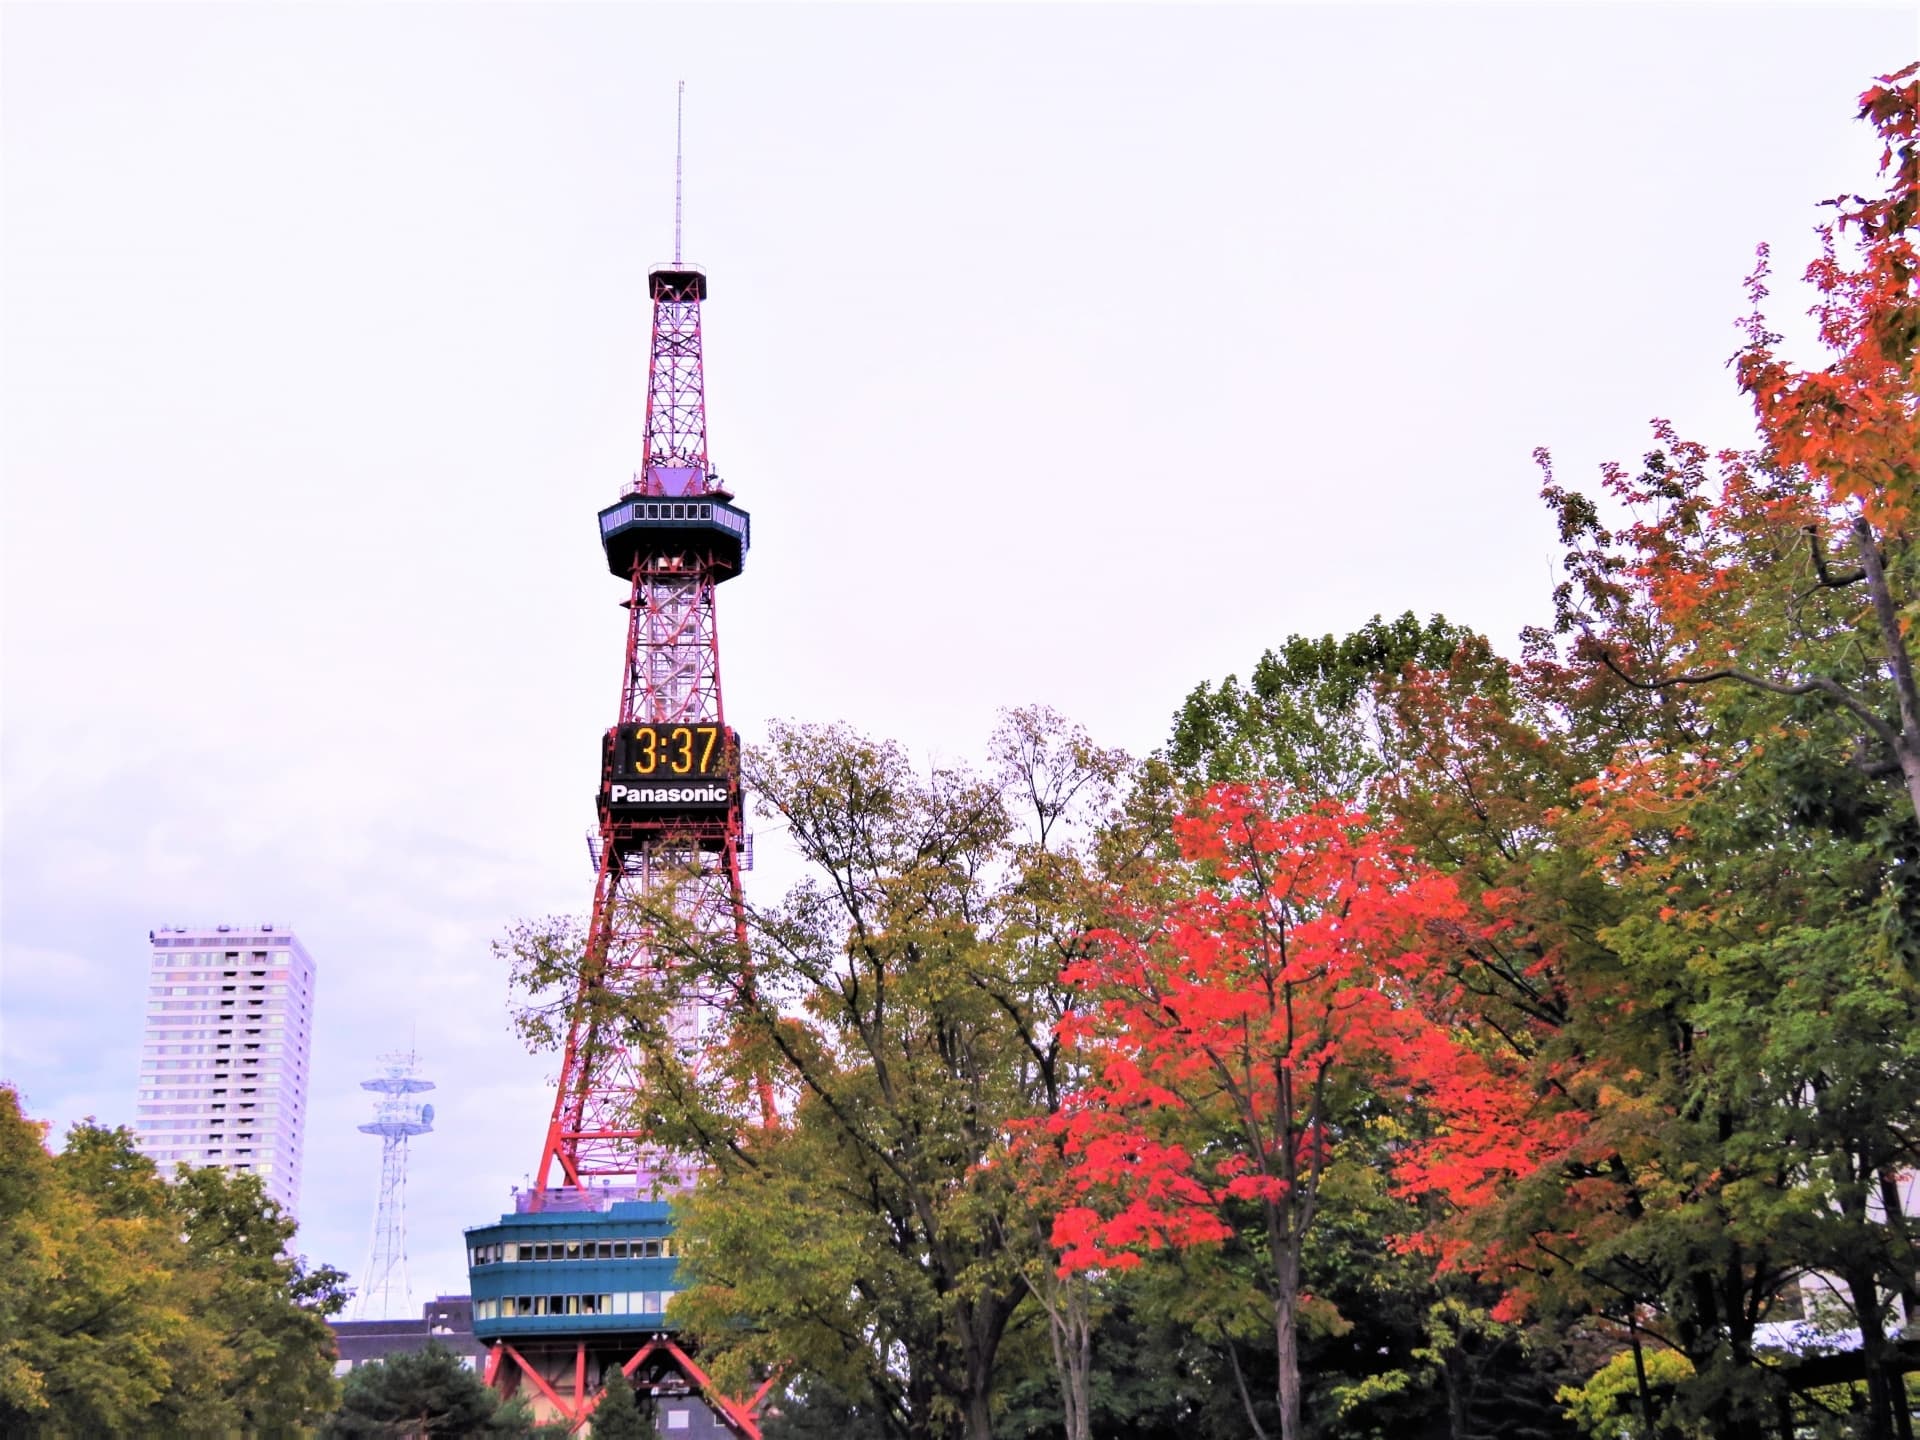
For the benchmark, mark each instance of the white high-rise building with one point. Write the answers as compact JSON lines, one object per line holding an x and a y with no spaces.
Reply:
{"x":223,"y":1072}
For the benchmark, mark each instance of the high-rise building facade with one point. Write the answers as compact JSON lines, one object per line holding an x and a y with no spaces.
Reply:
{"x":223,"y":1072}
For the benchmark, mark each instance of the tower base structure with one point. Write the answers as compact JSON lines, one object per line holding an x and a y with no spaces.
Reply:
{"x":563,"y":1296}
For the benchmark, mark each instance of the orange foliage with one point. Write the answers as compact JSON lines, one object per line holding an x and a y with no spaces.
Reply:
{"x":1855,"y":424}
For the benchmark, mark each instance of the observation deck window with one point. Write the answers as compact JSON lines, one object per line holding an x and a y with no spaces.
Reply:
{"x":630,"y":1302}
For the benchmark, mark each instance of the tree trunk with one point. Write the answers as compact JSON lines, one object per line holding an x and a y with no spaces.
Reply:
{"x":1083,"y":1375}
{"x":1069,"y":1308}
{"x":981,"y":1325}
{"x":1640,"y":1375}
{"x":1450,"y":1362}
{"x":919,"y":1407}
{"x":1246,"y":1396}
{"x":1899,"y":661}
{"x":979,"y":1416}
{"x":1286,"y":1339}
{"x":1859,"y":1178}
{"x":1900,"y":1244}
{"x":1864,"y":1289}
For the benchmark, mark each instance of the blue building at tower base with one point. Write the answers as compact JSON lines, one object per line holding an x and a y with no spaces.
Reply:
{"x":563,"y":1295}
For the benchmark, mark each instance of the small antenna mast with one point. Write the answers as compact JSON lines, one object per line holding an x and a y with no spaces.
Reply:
{"x":679,"y":131}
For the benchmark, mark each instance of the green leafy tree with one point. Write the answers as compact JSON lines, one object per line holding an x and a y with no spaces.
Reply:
{"x":420,"y":1393}
{"x":1609,"y":1404}
{"x":904,"y":999}
{"x":1724,"y":1034}
{"x":1312,"y":712}
{"x":809,"y":1409}
{"x":87,"y":1313}
{"x":28,"y":1238}
{"x":130,"y":1305}
{"x":262,"y":1312}
{"x":620,"y":1414}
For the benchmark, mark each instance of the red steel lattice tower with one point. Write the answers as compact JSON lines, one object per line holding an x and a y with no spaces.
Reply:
{"x":669,"y":804}
{"x":577,"y":1281}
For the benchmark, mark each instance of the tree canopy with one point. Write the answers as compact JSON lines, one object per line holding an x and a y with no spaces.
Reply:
{"x":421,"y":1394}
{"x":130,"y":1305}
{"x":1426,"y":1041}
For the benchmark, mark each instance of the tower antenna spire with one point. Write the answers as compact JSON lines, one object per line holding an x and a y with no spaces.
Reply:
{"x":679,"y":132}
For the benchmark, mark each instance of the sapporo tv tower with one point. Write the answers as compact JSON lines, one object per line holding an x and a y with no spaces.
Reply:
{"x":576,"y":1281}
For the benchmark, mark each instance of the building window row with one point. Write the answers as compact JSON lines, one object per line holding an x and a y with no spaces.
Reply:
{"x":171,"y":970}
{"x":222,"y":1014}
{"x":510,"y":1251}
{"x":249,"y":1048}
{"x":162,"y":1130}
{"x":632,"y":1302}
{"x":250,"y":1060}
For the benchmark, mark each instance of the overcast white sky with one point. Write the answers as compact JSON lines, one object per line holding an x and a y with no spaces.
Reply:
{"x":1062,"y":354}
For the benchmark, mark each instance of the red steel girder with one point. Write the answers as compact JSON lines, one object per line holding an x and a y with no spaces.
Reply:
{"x":671,"y":675}
{"x":676,"y":375}
{"x":737,"y":1415}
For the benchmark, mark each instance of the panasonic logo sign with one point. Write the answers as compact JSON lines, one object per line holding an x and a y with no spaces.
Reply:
{"x":711,"y":794}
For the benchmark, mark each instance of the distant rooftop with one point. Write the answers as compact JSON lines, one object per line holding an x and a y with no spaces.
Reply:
{"x":446,"y":1318}
{"x":184,"y":935}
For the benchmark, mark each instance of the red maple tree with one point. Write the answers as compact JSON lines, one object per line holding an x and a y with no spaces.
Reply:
{"x":1275,"y":992}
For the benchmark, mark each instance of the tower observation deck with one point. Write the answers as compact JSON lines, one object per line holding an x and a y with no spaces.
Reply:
{"x":576,"y":1279}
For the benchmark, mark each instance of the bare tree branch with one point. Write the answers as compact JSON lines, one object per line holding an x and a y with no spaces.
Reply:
{"x":1819,"y":685}
{"x":1829,"y":580}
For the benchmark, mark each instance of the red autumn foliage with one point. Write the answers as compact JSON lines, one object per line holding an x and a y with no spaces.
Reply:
{"x":1229,"y":1027}
{"x":1291,"y":990}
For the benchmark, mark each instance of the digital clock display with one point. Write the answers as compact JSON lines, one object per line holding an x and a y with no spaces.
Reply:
{"x":663,"y":769}
{"x":679,"y":752}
